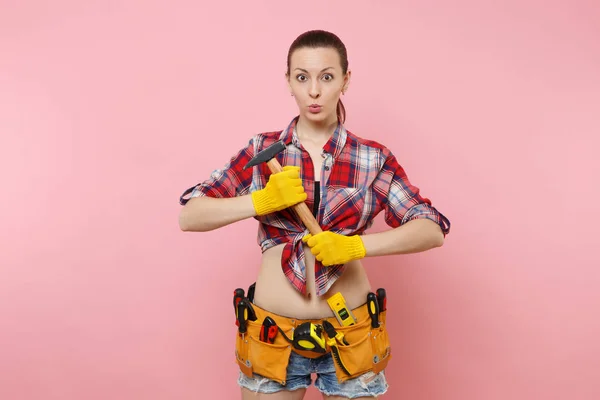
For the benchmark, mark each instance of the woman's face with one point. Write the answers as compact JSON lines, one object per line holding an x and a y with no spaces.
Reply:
{"x":316,"y":80}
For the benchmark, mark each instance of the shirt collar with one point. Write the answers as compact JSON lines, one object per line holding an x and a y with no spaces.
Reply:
{"x":334,"y":145}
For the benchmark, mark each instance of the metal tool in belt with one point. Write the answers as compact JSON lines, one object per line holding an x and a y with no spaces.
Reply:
{"x":335,"y":338}
{"x":307,"y":336}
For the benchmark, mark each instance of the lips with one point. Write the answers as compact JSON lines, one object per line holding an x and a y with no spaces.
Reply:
{"x":315,"y":108}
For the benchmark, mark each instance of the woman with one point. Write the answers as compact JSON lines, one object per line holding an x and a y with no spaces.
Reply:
{"x":346,"y":181}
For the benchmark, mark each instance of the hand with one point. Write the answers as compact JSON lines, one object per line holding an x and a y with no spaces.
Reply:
{"x":284,"y":189}
{"x":333,"y":249}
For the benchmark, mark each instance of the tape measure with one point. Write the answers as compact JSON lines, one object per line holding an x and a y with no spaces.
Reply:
{"x":309,"y":337}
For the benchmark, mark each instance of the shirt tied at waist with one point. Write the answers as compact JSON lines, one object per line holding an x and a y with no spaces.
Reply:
{"x":293,"y":262}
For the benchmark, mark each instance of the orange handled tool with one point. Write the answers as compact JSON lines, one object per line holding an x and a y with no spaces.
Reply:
{"x":268,"y":330}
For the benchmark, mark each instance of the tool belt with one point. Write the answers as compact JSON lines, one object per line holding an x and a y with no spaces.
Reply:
{"x":358,"y":348}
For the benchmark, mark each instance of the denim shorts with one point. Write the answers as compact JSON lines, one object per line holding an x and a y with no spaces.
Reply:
{"x":299,"y":372}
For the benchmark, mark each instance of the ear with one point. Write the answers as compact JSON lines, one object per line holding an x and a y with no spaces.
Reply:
{"x":347,"y":80}
{"x":287,"y":80}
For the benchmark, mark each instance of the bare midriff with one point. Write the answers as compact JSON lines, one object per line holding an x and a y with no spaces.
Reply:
{"x":275,"y":293}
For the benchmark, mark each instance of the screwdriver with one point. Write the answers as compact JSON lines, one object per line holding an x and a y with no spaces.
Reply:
{"x":238,"y":294}
{"x":373,"y":307}
{"x":242,"y":316}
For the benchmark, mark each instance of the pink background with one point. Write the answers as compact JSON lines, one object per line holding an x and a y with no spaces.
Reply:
{"x":109,"y":110}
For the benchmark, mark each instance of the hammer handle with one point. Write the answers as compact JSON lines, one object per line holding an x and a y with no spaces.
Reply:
{"x":301,"y":208}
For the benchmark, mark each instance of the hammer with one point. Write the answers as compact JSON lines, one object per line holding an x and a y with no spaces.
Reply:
{"x":268,"y":155}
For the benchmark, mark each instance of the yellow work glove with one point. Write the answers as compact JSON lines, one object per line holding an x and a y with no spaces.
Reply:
{"x":333,"y":249}
{"x":284,"y":189}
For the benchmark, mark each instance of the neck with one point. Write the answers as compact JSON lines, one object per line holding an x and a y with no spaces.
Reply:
{"x":316,"y":131}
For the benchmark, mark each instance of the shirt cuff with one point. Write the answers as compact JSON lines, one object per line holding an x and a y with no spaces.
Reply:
{"x":428,"y":212}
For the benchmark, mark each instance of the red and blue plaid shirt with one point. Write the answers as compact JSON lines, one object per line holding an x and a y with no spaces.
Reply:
{"x":359,"y":178}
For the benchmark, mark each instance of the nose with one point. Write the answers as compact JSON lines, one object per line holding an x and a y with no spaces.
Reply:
{"x":315,"y":90}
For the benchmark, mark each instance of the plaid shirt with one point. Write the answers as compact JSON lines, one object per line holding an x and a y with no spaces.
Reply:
{"x":359,"y":178}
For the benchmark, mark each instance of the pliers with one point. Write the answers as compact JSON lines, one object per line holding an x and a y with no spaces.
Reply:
{"x":333,"y":334}
{"x":333,"y":338}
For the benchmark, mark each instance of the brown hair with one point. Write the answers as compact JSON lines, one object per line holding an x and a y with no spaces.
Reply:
{"x":317,"y":39}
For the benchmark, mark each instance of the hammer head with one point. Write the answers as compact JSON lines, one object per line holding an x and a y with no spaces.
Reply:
{"x":266,"y":154}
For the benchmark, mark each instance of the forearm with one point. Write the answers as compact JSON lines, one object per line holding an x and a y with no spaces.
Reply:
{"x":202,"y":214}
{"x":414,"y":236}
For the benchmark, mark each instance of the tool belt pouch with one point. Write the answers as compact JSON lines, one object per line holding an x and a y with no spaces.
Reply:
{"x":268,"y":360}
{"x":369,"y":349}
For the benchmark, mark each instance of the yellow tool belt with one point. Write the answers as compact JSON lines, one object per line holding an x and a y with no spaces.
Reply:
{"x":368,"y":348}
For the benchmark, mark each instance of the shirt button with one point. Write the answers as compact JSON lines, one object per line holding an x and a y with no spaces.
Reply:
{"x":326,"y":168}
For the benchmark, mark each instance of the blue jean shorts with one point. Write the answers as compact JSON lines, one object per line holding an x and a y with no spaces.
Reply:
{"x":299,"y":372}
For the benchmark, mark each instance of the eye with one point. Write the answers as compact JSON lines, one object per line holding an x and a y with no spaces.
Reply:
{"x":328,"y":76}
{"x":301,"y":77}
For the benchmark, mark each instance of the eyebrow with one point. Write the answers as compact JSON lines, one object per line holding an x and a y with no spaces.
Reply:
{"x":324,"y":69}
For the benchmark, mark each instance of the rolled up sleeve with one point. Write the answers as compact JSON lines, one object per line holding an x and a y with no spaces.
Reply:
{"x":402,"y":201}
{"x":229,"y":181}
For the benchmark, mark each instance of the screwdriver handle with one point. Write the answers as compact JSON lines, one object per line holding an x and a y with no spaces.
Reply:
{"x":373,"y":307}
{"x":242,"y":316}
{"x":238,"y":294}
